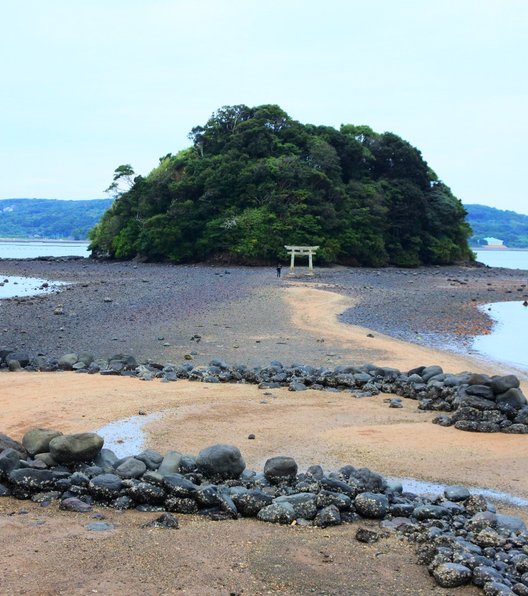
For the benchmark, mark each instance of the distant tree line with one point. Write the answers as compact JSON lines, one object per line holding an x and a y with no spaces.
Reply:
{"x":488,"y":222}
{"x":254,"y":180}
{"x":50,"y":218}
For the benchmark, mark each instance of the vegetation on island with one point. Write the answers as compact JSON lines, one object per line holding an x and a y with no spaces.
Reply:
{"x":488,"y":222}
{"x":50,"y":218}
{"x":254,"y":180}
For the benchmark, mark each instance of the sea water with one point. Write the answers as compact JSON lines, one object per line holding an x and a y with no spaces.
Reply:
{"x":508,"y":340}
{"x":12,"y":286}
{"x":32,"y":249}
{"x":510,"y":259}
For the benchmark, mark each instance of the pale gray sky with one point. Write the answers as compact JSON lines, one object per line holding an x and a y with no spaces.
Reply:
{"x":88,"y":85}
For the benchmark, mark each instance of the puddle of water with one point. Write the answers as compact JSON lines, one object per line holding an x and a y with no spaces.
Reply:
{"x":508,"y":340}
{"x":126,"y":437}
{"x":422,"y":487}
{"x":15,"y":286}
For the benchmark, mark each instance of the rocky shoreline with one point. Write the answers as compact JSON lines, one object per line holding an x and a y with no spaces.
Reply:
{"x":475,"y":402}
{"x":459,"y":536}
{"x":154,"y":310}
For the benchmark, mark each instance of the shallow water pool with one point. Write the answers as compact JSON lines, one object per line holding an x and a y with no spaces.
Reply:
{"x":508,"y":340}
{"x":12,"y":286}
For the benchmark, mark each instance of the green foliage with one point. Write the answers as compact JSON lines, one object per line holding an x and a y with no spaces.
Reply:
{"x":50,"y":218}
{"x":255,"y":180}
{"x":488,"y":222}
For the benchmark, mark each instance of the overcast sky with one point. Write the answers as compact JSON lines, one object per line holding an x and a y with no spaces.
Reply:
{"x":88,"y":85}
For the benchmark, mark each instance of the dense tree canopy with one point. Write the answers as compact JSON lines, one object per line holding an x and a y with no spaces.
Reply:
{"x":255,"y":180}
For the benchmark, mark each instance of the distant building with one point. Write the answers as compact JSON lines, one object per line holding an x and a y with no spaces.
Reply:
{"x":495,"y":242}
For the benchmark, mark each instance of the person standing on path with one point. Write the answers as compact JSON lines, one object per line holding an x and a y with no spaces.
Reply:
{"x":279,"y":269}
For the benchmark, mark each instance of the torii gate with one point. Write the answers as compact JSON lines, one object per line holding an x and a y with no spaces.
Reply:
{"x":302,"y":250}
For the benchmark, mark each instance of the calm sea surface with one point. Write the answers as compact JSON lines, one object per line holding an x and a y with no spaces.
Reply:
{"x":31,"y":249}
{"x":511,"y":259}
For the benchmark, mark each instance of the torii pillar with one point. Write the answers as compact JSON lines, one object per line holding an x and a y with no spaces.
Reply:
{"x":303,"y":251}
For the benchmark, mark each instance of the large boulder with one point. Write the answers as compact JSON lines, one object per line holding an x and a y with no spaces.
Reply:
{"x":372,"y":505}
{"x":513,"y":397}
{"x":37,"y":440}
{"x":76,"y":448}
{"x":221,"y":461}
{"x":502,"y":384}
{"x":280,"y":469}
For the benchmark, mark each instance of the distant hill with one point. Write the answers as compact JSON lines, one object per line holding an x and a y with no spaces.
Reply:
{"x":50,"y":218}
{"x":509,"y":226}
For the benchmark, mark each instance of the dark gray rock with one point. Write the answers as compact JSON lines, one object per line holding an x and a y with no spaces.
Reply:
{"x":430,"y":371}
{"x":131,"y":468}
{"x":32,"y":479}
{"x":181,"y":505}
{"x":367,"y":536}
{"x":178,"y":486}
{"x":37,"y":440}
{"x":251,"y":502}
{"x":165,"y":521}
{"x":144,"y":492}
{"x":502,"y":384}
{"x":481,"y":391}
{"x":423,"y":512}
{"x":106,"y":459}
{"x":456,"y":493}
{"x":304,"y":504}
{"x":221,"y":461}
{"x":372,"y":505}
{"x":152,"y":459}
{"x":280,"y":469}
{"x":513,"y":397}
{"x":452,"y":575}
{"x":75,"y":504}
{"x":277,"y":513}
{"x":9,"y":443}
{"x":9,"y":461}
{"x":328,"y":516}
{"x":76,"y":448}
{"x":105,"y":486}
{"x":482,"y":574}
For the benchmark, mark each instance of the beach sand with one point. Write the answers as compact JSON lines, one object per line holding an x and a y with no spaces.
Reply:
{"x":46,"y":551}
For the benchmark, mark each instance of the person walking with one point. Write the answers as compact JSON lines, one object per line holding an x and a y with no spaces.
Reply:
{"x":279,"y":269}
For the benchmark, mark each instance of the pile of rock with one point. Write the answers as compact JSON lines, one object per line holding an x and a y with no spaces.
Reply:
{"x":477,"y":402}
{"x":459,"y":536}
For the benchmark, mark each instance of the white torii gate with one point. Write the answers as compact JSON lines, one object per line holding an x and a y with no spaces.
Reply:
{"x":302,"y":250}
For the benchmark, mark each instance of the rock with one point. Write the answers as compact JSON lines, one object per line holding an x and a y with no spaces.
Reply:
{"x":296,"y":386}
{"x":100,"y":527}
{"x":221,"y":461}
{"x":277,"y":513}
{"x":280,"y":469}
{"x":106,"y":459}
{"x":152,"y":459}
{"x":76,"y":448}
{"x":423,"y":512}
{"x":456,"y":493}
{"x":367,"y":536}
{"x":37,"y":440}
{"x":170,"y":463}
{"x":181,"y":505}
{"x":304,"y":504}
{"x":178,"y":486}
{"x":131,"y":468}
{"x":451,"y":575}
{"x":9,"y":443}
{"x":497,"y":589}
{"x":513,"y":397}
{"x":75,"y":504}
{"x":9,"y":461}
{"x":105,"y":486}
{"x":372,"y":505}
{"x":144,"y":492}
{"x":31,"y":479}
{"x":481,"y":391}
{"x":328,"y":516}
{"x":251,"y":502}
{"x":502,"y":384}
{"x":67,"y":361}
{"x":430,"y":371}
{"x":165,"y":521}
{"x":482,"y":574}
